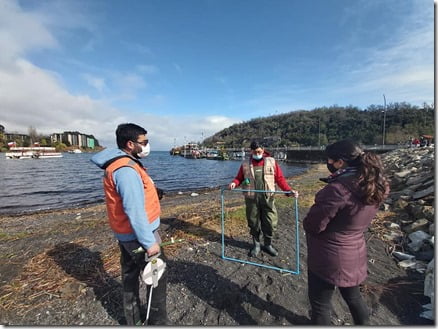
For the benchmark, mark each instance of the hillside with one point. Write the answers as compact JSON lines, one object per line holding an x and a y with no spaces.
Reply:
{"x":325,"y":125}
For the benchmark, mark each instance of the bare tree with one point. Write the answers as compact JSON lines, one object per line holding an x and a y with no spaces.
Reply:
{"x":33,"y":135}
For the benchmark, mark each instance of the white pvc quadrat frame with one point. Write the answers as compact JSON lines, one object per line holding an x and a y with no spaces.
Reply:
{"x":297,"y":241}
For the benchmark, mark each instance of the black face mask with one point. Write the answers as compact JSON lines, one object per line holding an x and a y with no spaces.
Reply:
{"x":331,"y":167}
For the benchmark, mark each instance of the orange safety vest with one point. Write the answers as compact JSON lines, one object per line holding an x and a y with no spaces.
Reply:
{"x":118,"y":219}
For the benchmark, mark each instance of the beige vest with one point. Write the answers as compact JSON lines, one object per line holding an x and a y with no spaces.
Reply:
{"x":268,"y":177}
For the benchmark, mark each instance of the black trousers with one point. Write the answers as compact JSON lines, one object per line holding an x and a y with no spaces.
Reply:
{"x":320,"y":295}
{"x":132,"y":264}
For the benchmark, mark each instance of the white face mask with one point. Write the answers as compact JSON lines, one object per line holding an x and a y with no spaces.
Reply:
{"x":257,"y":156}
{"x":145,"y":150}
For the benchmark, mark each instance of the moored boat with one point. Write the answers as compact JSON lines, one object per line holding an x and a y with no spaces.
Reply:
{"x":75,"y":151}
{"x":217,"y":155}
{"x":32,"y":153}
{"x":212,"y":155}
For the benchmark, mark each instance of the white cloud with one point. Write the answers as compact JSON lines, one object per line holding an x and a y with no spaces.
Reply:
{"x":401,"y":67}
{"x":165,"y":131}
{"x":32,"y":96}
{"x":21,"y":32}
{"x":95,"y":82}
{"x":136,"y":47}
{"x":128,"y":84}
{"x":147,"y":69}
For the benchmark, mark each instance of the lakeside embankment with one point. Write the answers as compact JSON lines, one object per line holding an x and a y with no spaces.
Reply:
{"x":62,"y":268}
{"x":411,"y":210}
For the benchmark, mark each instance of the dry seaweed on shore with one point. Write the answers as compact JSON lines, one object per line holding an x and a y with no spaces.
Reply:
{"x":62,"y":271}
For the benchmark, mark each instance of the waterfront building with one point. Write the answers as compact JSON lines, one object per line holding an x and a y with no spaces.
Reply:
{"x":75,"y":138}
{"x":15,"y":137}
{"x":70,"y":138}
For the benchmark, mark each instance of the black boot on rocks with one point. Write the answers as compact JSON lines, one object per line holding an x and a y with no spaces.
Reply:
{"x":256,"y":247}
{"x":268,"y":247}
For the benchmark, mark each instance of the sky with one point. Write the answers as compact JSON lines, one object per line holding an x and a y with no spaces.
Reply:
{"x":186,"y":69}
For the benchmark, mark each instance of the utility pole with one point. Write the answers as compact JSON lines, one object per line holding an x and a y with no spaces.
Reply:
{"x":384,"y":121}
{"x":319,"y":132}
{"x":277,"y":140}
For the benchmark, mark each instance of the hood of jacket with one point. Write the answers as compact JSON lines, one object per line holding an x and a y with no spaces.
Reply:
{"x":108,"y":155}
{"x":348,"y":178}
{"x":350,"y":182}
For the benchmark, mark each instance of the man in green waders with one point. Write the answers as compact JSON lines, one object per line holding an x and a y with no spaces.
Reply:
{"x":261,"y":172}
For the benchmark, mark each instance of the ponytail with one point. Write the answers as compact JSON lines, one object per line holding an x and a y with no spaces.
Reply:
{"x":372,"y":180}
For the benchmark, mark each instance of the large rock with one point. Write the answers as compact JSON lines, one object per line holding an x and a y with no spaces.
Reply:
{"x":421,"y":224}
{"x":418,"y":179}
{"x":417,"y":240}
{"x":428,"y":212}
{"x":432,"y":229}
{"x":419,"y":210}
{"x":402,"y":174}
{"x":423,"y":193}
{"x":400,"y":204}
{"x":412,"y":179}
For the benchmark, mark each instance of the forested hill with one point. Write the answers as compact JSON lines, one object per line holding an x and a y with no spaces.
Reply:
{"x":325,"y":125}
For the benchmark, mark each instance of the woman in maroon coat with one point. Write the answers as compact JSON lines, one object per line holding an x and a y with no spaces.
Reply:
{"x":343,"y":210}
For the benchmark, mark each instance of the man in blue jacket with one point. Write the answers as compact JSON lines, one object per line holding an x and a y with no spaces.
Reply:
{"x":133,"y":210}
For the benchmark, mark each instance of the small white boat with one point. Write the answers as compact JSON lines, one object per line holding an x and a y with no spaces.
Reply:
{"x":212,"y":155}
{"x":75,"y":151}
{"x":32,"y":153}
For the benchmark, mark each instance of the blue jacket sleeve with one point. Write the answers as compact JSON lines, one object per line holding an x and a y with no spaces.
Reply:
{"x":130,"y":188}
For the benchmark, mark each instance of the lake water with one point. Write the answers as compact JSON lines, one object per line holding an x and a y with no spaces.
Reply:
{"x":40,"y":184}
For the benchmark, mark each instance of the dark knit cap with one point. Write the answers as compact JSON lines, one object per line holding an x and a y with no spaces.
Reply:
{"x":256,"y":144}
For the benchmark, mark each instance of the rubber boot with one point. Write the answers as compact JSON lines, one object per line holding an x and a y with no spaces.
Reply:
{"x":268,"y":247}
{"x":256,"y":247}
{"x":131,"y":308}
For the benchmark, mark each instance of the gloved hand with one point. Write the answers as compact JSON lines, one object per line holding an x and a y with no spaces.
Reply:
{"x":160,"y":193}
{"x":293,"y":193}
{"x":232,"y":186}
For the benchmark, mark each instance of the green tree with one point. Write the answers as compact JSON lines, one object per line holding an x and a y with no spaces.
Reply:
{"x":329,"y":124}
{"x":60,"y":147}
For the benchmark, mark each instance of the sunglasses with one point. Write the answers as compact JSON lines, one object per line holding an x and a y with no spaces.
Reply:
{"x":144,"y":143}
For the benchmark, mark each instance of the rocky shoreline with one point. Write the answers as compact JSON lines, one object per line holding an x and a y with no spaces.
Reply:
{"x":412,"y":199}
{"x":62,"y":267}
